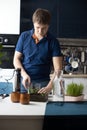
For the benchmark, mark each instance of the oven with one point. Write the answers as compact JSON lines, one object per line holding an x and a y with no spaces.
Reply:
{"x":6,"y":60}
{"x":8,"y":43}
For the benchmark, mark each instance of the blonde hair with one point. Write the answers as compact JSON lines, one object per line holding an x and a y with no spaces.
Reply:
{"x":42,"y":16}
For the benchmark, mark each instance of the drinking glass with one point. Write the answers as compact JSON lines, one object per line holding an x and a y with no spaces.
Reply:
{"x":34,"y":87}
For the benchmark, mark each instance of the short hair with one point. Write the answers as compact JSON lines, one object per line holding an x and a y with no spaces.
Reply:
{"x":42,"y":16}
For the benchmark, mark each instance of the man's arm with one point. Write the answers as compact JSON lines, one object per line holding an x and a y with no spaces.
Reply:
{"x":57,"y":64}
{"x":18,"y":64}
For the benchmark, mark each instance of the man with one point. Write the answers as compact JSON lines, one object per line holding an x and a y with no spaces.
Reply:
{"x":35,"y":51}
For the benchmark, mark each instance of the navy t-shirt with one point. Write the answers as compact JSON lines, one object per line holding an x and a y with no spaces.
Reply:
{"x":37,"y":58}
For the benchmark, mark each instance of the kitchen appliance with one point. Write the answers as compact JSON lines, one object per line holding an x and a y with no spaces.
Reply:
{"x":8,"y":43}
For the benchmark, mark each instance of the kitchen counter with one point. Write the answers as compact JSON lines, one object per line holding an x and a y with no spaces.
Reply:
{"x":18,"y":116}
{"x":30,"y":117}
{"x":8,"y":108}
{"x":18,"y":109}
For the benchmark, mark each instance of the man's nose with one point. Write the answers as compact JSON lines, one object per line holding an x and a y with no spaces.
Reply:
{"x":40,"y":30}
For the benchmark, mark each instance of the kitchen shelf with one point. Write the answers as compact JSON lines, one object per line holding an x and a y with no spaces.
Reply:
{"x":74,"y":75}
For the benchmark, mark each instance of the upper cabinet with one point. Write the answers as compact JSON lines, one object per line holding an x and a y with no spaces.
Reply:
{"x":73,"y":18}
{"x":29,"y":6}
{"x":69,"y":17}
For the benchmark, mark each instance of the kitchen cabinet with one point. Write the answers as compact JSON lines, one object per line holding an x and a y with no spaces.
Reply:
{"x":72,"y":19}
{"x":28,"y":8}
{"x":68,"y":17}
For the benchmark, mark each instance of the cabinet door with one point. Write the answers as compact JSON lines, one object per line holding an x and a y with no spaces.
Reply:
{"x":29,"y":6}
{"x":73,"y":18}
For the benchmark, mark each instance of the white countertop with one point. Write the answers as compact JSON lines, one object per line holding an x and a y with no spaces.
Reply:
{"x":7,"y":107}
{"x":15,"y":116}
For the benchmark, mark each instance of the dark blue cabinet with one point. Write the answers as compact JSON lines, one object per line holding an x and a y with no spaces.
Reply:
{"x":73,"y":18}
{"x":29,"y":6}
{"x":69,"y":17}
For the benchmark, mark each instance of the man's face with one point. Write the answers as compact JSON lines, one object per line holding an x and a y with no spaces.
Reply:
{"x":40,"y":29}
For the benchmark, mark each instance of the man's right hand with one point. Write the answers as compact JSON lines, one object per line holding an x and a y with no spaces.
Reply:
{"x":26,"y":79}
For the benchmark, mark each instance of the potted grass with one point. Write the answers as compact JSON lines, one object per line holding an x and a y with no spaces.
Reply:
{"x":74,"y":92}
{"x":35,"y":96}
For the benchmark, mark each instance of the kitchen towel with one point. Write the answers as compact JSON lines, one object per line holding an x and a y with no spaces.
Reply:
{"x":6,"y":87}
{"x":66,"y":108}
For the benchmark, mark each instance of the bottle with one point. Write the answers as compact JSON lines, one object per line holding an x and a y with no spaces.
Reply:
{"x":16,"y":80}
{"x":59,"y":84}
{"x":85,"y":69}
{"x":83,"y":56}
{"x":15,"y":95}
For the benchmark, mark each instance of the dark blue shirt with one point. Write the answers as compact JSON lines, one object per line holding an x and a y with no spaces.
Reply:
{"x":37,"y":58}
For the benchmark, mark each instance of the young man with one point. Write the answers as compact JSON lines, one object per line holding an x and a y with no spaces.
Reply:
{"x":35,"y":51}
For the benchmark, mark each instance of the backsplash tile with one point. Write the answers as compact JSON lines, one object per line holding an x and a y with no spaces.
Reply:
{"x":74,"y":55}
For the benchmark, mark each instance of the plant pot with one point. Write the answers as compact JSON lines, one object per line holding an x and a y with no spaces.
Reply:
{"x":24,"y":98}
{"x":72,"y":98}
{"x":15,"y":97}
{"x":38,"y":97}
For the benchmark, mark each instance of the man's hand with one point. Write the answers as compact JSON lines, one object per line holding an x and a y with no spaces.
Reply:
{"x":46,"y":89}
{"x":26,"y":79}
